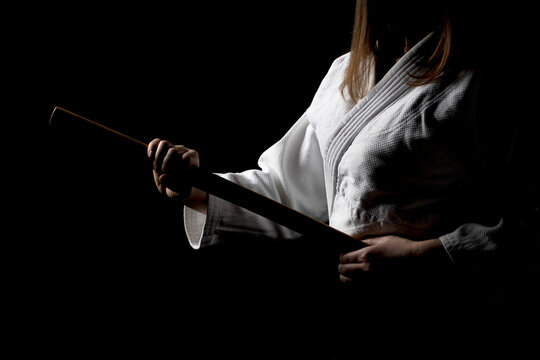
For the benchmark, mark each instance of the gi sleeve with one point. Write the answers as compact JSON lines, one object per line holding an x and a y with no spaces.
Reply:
{"x":290,"y":172}
{"x":509,"y":231}
{"x":513,"y":240}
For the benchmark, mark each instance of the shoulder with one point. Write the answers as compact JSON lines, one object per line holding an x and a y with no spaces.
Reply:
{"x":331,"y":82}
{"x":341,"y":61}
{"x":338,"y":66}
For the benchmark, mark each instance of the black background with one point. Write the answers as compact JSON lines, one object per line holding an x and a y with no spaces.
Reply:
{"x":103,"y":263}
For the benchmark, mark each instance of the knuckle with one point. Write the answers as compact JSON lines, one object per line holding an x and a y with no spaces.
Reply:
{"x":180,"y":149}
{"x":362,"y":257}
{"x":348,"y":257}
{"x":171,"y":151}
{"x":164,"y":144}
{"x":191,"y":155}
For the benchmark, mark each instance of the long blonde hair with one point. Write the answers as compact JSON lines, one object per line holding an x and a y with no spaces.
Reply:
{"x":376,"y":21}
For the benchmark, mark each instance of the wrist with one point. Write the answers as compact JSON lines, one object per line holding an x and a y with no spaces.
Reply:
{"x":198,"y":201}
{"x":431,"y":251}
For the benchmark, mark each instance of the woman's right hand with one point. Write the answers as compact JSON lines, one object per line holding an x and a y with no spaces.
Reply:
{"x":172,"y":164}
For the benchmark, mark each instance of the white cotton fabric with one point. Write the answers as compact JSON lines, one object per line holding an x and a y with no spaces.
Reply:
{"x":397,"y":162}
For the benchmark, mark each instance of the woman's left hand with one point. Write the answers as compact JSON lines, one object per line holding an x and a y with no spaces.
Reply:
{"x":387,"y":254}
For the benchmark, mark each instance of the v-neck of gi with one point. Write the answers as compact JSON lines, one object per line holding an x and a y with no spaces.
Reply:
{"x":406,"y":66}
{"x":390,"y":88}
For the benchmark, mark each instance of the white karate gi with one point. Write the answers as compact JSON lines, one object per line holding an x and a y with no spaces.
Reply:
{"x":404,"y":160}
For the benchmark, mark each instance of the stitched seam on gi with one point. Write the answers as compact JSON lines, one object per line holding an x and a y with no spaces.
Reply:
{"x":375,"y":103}
{"x":379,"y":98}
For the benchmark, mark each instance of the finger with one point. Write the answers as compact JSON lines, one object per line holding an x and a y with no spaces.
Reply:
{"x":345,"y":258}
{"x":177,"y":152}
{"x":345,"y":280}
{"x":352,"y":270}
{"x":156,"y":178}
{"x":157,"y":181}
{"x":167,"y":159}
{"x":353,"y":257}
{"x":160,"y":153}
{"x":152,"y":147}
{"x":192,"y":156}
{"x":163,"y":178}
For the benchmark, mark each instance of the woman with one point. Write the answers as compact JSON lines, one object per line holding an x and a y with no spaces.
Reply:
{"x":390,"y":151}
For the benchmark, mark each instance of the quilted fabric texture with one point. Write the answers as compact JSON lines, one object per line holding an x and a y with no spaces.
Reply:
{"x":404,"y":160}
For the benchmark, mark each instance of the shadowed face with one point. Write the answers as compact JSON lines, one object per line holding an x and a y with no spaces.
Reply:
{"x":397,"y":25}
{"x":392,"y":14}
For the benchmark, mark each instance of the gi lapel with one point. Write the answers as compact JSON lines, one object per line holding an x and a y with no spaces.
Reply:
{"x":390,"y":88}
